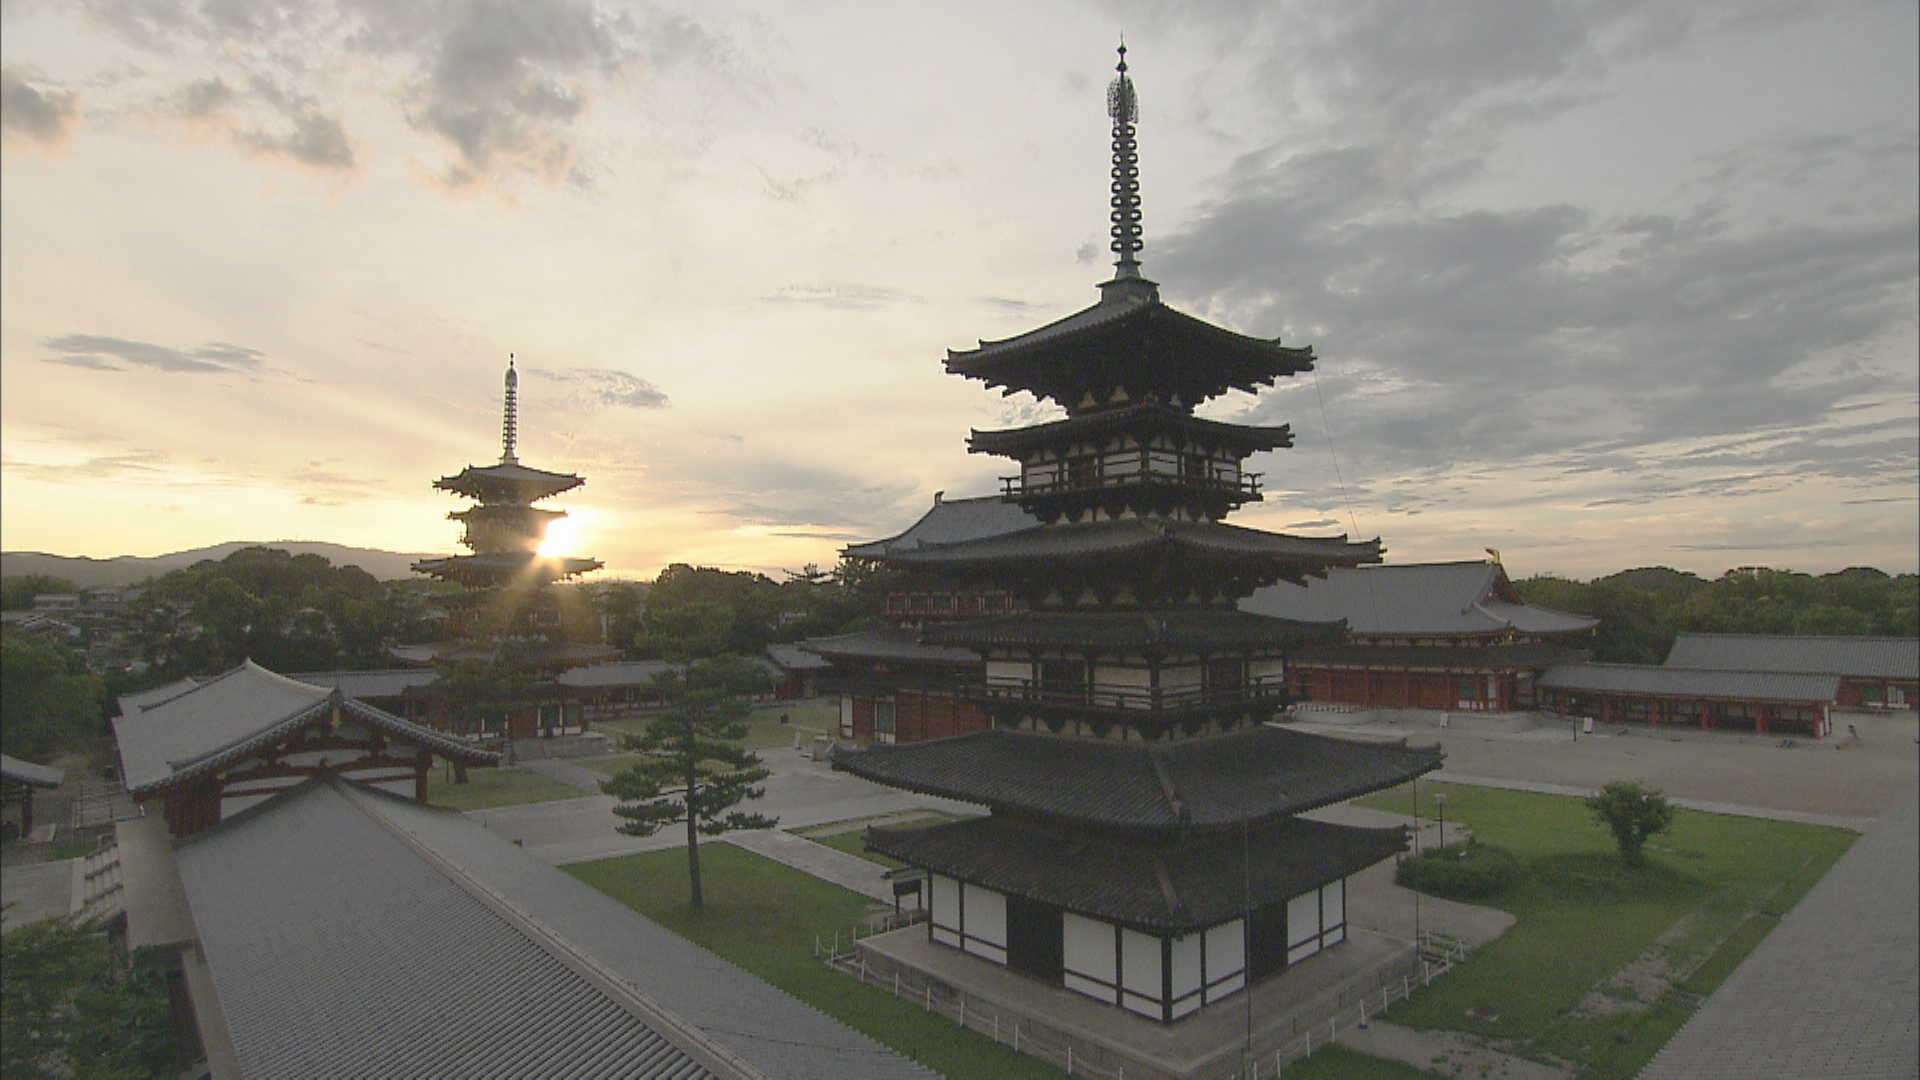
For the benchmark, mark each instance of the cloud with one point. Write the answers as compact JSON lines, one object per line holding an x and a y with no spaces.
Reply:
{"x":147,"y":465}
{"x":589,"y":390}
{"x":840,"y":296}
{"x":500,"y":85}
{"x":44,"y":118}
{"x":101,"y":353}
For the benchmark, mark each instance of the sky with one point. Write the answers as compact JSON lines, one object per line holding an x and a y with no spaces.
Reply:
{"x":1596,"y":285}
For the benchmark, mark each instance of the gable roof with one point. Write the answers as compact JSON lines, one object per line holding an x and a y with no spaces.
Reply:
{"x":426,"y":946}
{"x":951,"y":521}
{"x":1856,"y":657}
{"x":234,"y":714}
{"x":390,"y":683}
{"x":1436,"y":599}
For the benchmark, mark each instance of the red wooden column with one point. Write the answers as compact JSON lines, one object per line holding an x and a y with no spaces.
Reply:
{"x":1761,"y":718}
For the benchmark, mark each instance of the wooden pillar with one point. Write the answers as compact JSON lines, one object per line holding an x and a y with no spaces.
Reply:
{"x":422,"y":763}
{"x":26,"y":811}
{"x":1761,"y":719}
{"x":1706,"y":716}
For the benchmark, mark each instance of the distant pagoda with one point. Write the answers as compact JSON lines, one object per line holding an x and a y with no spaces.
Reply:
{"x":506,"y":578}
{"x":1143,"y":845}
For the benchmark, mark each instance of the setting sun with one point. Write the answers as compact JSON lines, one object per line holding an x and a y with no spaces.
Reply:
{"x":563,"y":534}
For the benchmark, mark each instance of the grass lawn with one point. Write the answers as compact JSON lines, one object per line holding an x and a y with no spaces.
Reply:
{"x":763,"y":917}
{"x":854,"y":841}
{"x":1710,"y":889}
{"x":488,"y":788}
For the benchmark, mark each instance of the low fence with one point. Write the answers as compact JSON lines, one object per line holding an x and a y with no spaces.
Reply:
{"x":1266,"y":1055}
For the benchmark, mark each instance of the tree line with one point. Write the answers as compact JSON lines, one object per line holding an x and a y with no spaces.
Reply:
{"x":1642,"y":611}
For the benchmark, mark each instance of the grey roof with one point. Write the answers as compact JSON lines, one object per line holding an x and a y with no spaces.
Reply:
{"x":1138,"y":537}
{"x":350,"y":933}
{"x":1146,"y":628}
{"x":1859,"y":657}
{"x":1205,"y":782}
{"x":1656,"y":681}
{"x":621,"y":673}
{"x":950,"y":521}
{"x":1441,"y":657}
{"x":236,"y":714}
{"x":368,"y":684}
{"x":1145,"y":416}
{"x":26,"y":772}
{"x":145,"y":699}
{"x":795,"y":658}
{"x":888,"y":643}
{"x":1427,"y":599}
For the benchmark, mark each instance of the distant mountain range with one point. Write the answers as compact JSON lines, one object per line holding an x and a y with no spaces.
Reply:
{"x":133,"y":569}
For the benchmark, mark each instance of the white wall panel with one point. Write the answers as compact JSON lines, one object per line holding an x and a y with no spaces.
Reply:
{"x":1140,"y":963}
{"x":986,"y":916}
{"x":1303,"y":918}
{"x":1186,"y":965}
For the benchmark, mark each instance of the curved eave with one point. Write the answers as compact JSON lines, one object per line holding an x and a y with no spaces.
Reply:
{"x":1205,"y":359}
{"x":187,"y":769}
{"x":1213,"y":541}
{"x":516,"y":482}
{"x":1134,"y":630}
{"x":1245,"y":439}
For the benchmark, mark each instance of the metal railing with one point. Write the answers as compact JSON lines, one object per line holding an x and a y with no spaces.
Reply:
{"x":1108,"y":696}
{"x":1132,"y":469}
{"x":1267,"y":1055}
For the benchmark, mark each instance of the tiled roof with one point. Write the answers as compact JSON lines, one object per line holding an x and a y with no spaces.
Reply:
{"x":1130,"y":339}
{"x":26,"y":772}
{"x":887,"y":643}
{"x":1437,"y":599}
{"x":1204,"y":782}
{"x":1191,"y":540}
{"x":949,"y":521}
{"x":1657,"y":681}
{"x":1225,"y":628}
{"x":143,"y":699}
{"x":795,"y":658}
{"x":368,"y":684}
{"x":1452,"y":657}
{"x":237,"y":713}
{"x":622,"y":673}
{"x":350,"y":933}
{"x":1861,"y":657}
{"x":1180,"y":885}
{"x":507,"y":478}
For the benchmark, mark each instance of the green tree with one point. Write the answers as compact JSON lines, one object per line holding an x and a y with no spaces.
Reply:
{"x":65,"y":1011}
{"x":48,"y":700}
{"x":1633,"y":814}
{"x":692,"y":769}
{"x":17,"y":592}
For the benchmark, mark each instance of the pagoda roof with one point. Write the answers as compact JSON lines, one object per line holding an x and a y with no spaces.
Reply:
{"x":1193,"y":883}
{"x":1208,"y":782}
{"x":241,"y":712}
{"x":1191,"y":540}
{"x":1136,"y":629}
{"x":509,"y":481}
{"x":1418,"y":599}
{"x":1133,"y":341}
{"x":30,"y":774}
{"x":887,"y":644}
{"x":505,"y":564}
{"x":1150,"y":416}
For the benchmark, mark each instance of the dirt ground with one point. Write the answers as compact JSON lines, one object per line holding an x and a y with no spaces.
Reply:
{"x":1841,"y":775}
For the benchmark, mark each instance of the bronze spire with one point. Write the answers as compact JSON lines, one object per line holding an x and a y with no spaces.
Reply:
{"x":1123,"y":105}
{"x":507,"y":432}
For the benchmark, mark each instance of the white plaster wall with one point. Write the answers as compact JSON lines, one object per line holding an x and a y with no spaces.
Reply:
{"x":986,"y":917}
{"x":1004,"y":671}
{"x":1089,"y":954}
{"x":1272,"y":668}
{"x":1140,"y":964}
{"x":943,"y":902}
{"x":1226,"y":959}
{"x":1186,"y":965}
{"x":846,"y":716}
{"x":1180,"y":678}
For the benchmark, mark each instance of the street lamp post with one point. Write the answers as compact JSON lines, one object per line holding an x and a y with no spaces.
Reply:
{"x":1440,"y":800}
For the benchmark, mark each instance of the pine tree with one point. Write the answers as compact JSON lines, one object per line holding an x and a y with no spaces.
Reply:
{"x":692,"y":769}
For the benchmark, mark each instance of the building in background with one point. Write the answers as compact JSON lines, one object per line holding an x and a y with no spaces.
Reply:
{"x":1449,"y":636}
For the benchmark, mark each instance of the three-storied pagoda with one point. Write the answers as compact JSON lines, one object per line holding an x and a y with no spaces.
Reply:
{"x":1143,"y":845}
{"x":505,"y":576}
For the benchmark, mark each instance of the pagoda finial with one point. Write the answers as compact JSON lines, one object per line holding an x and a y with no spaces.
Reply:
{"x":507,"y":428}
{"x":1123,"y":105}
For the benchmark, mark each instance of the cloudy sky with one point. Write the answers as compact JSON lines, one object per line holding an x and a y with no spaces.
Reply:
{"x":1597,"y":284}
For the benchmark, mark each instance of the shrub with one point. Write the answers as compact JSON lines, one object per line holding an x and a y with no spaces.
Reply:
{"x":1469,"y":871}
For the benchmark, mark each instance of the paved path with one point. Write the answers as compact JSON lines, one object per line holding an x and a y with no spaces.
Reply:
{"x":827,"y":864}
{"x":35,"y":891}
{"x":1443,"y":1053}
{"x":1834,"y":991}
{"x":574,"y":776}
